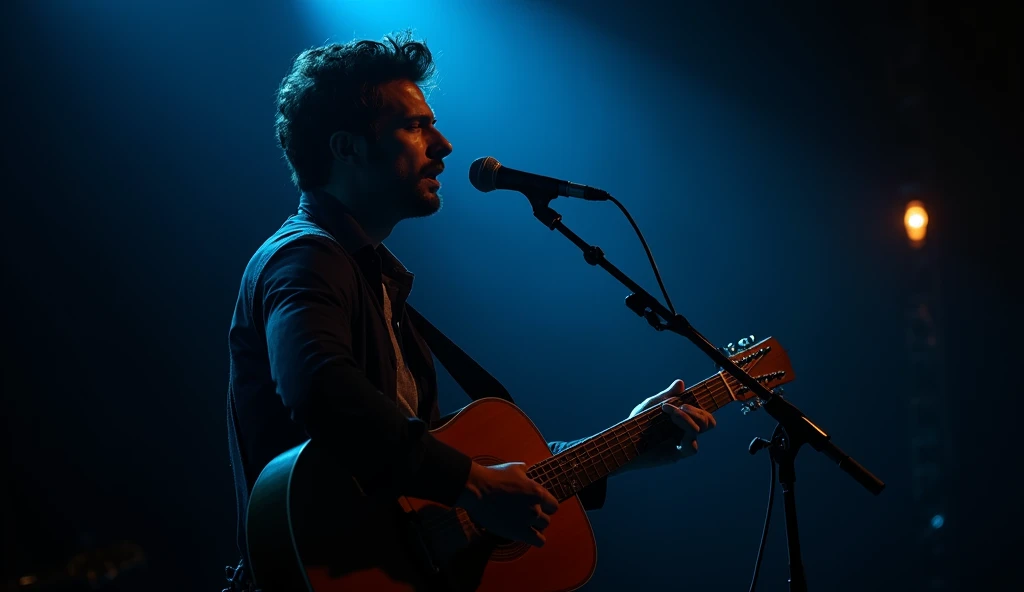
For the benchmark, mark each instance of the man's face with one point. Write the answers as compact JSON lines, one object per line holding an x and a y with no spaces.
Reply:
{"x":406,"y":159}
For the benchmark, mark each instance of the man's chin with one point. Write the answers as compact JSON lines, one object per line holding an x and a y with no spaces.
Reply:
{"x":426,"y":204}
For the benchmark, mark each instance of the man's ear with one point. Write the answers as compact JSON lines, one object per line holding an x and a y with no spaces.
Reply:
{"x":348,"y":148}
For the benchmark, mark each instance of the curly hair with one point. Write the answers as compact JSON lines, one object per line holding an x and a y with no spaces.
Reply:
{"x":337,"y":87}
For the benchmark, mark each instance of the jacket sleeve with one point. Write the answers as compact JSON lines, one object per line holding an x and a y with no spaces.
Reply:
{"x":592,"y":496}
{"x":305,"y":296}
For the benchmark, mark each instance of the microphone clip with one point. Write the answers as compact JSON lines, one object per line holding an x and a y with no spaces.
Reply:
{"x":636,"y":303}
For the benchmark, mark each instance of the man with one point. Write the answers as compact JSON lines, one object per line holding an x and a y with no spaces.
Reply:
{"x":321,"y":344}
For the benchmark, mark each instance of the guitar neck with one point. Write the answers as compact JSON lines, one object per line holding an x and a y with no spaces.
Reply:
{"x":569,"y":471}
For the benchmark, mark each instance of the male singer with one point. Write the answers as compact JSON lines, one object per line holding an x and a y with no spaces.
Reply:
{"x":320,"y":342}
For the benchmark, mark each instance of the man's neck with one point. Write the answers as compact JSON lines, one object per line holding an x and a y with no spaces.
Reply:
{"x":376,"y":232}
{"x":376,"y":227}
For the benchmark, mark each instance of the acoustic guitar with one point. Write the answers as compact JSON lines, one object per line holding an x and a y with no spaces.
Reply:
{"x":312,"y":528}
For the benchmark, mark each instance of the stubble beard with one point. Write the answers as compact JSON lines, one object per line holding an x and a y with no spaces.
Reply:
{"x":421,"y":202}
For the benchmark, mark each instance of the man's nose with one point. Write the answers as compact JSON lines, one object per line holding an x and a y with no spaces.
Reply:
{"x":441,"y":148}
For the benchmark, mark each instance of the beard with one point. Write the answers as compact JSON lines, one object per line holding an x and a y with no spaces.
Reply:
{"x":420,"y":200}
{"x":399,"y":193}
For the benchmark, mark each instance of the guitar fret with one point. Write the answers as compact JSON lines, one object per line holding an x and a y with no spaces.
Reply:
{"x":582,"y":478}
{"x":716,"y":397}
{"x":614,"y":440}
{"x":728,"y":387}
{"x":593,"y":456}
{"x":630,"y":435}
{"x":728,"y":396}
{"x":567,"y":477}
{"x":585,"y":462}
{"x":539,"y":476}
{"x":572,"y":460}
{"x":709,"y":398}
{"x":559,"y":485}
{"x":544,"y":477}
{"x":615,"y":449}
{"x":602,"y":456}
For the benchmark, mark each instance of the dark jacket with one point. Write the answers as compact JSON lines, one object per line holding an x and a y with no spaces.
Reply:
{"x":311,"y":357}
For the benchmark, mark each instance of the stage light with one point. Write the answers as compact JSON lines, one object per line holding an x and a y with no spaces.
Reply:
{"x":938,"y":521}
{"x":916,"y":221}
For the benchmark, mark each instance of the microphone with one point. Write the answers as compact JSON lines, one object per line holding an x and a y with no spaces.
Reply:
{"x":487,"y":174}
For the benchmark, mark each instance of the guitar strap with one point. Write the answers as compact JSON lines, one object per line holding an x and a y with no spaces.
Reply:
{"x":469,"y":375}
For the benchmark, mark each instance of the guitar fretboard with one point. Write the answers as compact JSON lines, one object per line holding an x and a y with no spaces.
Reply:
{"x":566,"y":473}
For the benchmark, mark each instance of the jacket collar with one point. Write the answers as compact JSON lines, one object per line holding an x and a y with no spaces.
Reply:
{"x":331,"y":215}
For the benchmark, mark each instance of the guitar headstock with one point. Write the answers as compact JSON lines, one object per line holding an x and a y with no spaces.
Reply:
{"x":765,"y":361}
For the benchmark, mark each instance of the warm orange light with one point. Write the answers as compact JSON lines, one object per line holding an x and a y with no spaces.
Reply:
{"x":916,"y":221}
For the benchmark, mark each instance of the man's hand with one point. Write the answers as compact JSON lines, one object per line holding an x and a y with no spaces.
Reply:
{"x":503,"y":500}
{"x":691,"y":421}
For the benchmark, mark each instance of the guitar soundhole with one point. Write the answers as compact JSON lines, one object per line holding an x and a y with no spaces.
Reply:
{"x":503,"y":549}
{"x":509,"y":551}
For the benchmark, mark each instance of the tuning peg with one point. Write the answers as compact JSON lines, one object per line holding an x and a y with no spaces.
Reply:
{"x":742,"y":344}
{"x":750,"y":406}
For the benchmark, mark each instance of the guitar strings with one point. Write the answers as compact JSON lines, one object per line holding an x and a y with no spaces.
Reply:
{"x":545,"y":473}
{"x":448,"y":528}
{"x":542,"y":471}
{"x":642,"y":423}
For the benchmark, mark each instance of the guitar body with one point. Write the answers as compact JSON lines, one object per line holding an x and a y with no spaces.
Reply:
{"x":311,"y":528}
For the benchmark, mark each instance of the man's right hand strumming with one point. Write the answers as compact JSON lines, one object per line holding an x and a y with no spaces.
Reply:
{"x":503,"y":500}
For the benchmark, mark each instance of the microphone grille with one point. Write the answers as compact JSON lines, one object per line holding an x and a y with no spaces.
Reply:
{"x":483,"y":173}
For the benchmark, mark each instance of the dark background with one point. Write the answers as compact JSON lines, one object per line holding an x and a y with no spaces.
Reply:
{"x":767,"y":151}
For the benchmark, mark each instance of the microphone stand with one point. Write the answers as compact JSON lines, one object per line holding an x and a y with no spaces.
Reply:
{"x":796,"y":428}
